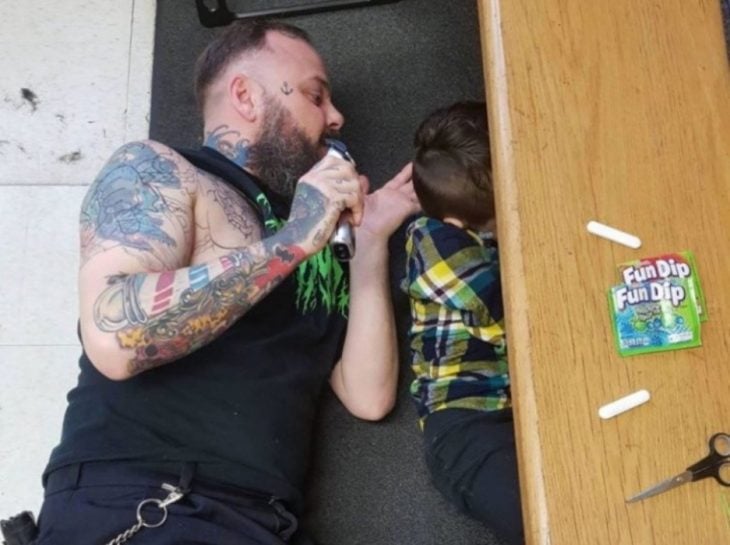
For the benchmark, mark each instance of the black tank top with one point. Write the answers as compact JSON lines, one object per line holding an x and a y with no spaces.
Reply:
{"x":241,"y":407}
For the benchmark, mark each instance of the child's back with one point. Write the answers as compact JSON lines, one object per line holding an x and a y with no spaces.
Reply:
{"x":458,"y":349}
{"x":457,"y":338}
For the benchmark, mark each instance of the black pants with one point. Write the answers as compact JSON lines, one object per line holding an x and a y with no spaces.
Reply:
{"x":472,"y":459}
{"x":90,"y":504}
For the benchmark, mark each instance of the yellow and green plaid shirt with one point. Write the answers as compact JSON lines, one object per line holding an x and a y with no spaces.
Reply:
{"x":458,"y":349}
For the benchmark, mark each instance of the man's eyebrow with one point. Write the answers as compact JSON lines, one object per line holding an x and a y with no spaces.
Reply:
{"x":323,"y":82}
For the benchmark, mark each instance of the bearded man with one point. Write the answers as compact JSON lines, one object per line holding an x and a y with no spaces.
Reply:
{"x":212,"y":311}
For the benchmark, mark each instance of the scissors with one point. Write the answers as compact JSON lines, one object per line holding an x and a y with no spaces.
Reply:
{"x":716,"y":464}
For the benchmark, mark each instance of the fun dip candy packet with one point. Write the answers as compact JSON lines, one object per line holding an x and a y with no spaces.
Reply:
{"x":654,"y":316}
{"x":674,"y":265}
{"x":659,"y":306}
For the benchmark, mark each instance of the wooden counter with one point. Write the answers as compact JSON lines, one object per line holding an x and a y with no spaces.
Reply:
{"x":617,"y":111}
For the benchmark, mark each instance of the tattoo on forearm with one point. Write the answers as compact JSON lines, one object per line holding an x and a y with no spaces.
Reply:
{"x":161,"y":317}
{"x":163,"y":292}
{"x":198,"y":276}
{"x":307,"y":209}
{"x":187,"y":315}
{"x":230,"y":143}
{"x":119,"y":306}
{"x":227,"y":262}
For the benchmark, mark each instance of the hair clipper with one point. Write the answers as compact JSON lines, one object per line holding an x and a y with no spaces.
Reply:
{"x":342,"y":240}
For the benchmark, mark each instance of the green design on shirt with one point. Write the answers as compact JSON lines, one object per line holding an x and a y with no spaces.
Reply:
{"x":321,"y":279}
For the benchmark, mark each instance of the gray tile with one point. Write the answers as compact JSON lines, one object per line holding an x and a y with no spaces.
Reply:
{"x":76,"y":85}
{"x":38,"y":264}
{"x":34,"y":385}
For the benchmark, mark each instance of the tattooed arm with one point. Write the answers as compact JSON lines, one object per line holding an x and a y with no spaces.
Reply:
{"x":142,"y":304}
{"x":366,"y":377}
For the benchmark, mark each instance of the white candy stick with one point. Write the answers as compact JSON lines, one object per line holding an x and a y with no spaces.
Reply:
{"x":624,"y":404}
{"x":610,"y":233}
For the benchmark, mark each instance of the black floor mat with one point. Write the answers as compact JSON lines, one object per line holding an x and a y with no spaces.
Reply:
{"x":389,"y":65}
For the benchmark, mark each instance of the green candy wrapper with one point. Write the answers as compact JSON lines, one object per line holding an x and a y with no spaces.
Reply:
{"x":655,"y":316}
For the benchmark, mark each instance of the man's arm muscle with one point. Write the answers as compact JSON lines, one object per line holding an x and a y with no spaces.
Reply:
{"x":141,"y":305}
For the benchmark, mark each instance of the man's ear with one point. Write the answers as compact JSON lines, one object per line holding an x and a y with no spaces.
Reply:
{"x":242,"y":92}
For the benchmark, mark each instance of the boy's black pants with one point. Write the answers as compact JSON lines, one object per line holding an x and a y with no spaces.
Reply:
{"x":473,"y":463}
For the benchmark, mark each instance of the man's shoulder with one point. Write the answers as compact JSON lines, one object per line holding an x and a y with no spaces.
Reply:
{"x":174,"y":164}
{"x":146,"y":147}
{"x":172,"y":168}
{"x":151,"y":160}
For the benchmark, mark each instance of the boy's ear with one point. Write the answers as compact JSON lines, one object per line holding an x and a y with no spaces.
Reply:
{"x":244,"y":96}
{"x":456,"y":222}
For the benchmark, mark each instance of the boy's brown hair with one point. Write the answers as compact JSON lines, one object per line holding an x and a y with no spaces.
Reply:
{"x":452,"y":167}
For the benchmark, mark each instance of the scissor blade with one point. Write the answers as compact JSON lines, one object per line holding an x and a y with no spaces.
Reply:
{"x":663,"y":486}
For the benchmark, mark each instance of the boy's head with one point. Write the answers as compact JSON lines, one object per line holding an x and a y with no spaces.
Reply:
{"x":451,"y":170}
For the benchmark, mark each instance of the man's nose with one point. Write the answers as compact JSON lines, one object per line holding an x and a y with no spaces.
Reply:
{"x":335,"y":120}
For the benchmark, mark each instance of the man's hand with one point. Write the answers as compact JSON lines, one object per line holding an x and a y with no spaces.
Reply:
{"x":389,"y":206}
{"x":366,"y":377}
{"x":332,"y":187}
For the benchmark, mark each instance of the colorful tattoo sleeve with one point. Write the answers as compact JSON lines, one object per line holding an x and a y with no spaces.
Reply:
{"x":158,"y":317}
{"x":164,"y":316}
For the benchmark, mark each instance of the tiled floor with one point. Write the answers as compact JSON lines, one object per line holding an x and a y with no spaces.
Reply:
{"x":76,"y":85}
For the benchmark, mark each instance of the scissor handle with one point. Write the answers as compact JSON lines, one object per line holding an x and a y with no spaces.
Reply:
{"x":717,"y":463}
{"x":722,"y":473}
{"x":720,"y":444}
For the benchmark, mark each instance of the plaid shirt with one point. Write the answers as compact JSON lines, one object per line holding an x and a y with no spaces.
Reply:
{"x":458,"y":349}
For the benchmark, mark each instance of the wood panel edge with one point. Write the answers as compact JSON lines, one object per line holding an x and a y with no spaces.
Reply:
{"x":527,"y":430}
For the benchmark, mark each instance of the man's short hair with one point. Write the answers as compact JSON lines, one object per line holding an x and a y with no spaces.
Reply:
{"x":240,"y":37}
{"x":451,"y":170}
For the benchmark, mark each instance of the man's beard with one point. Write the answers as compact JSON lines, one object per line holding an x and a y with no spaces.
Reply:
{"x":283,"y":152}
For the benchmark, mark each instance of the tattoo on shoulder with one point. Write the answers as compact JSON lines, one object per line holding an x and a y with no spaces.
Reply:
{"x":236,"y":208}
{"x":127,"y":205}
{"x":230,"y":143}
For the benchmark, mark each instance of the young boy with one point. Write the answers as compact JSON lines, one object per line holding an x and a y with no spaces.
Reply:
{"x":457,"y":337}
